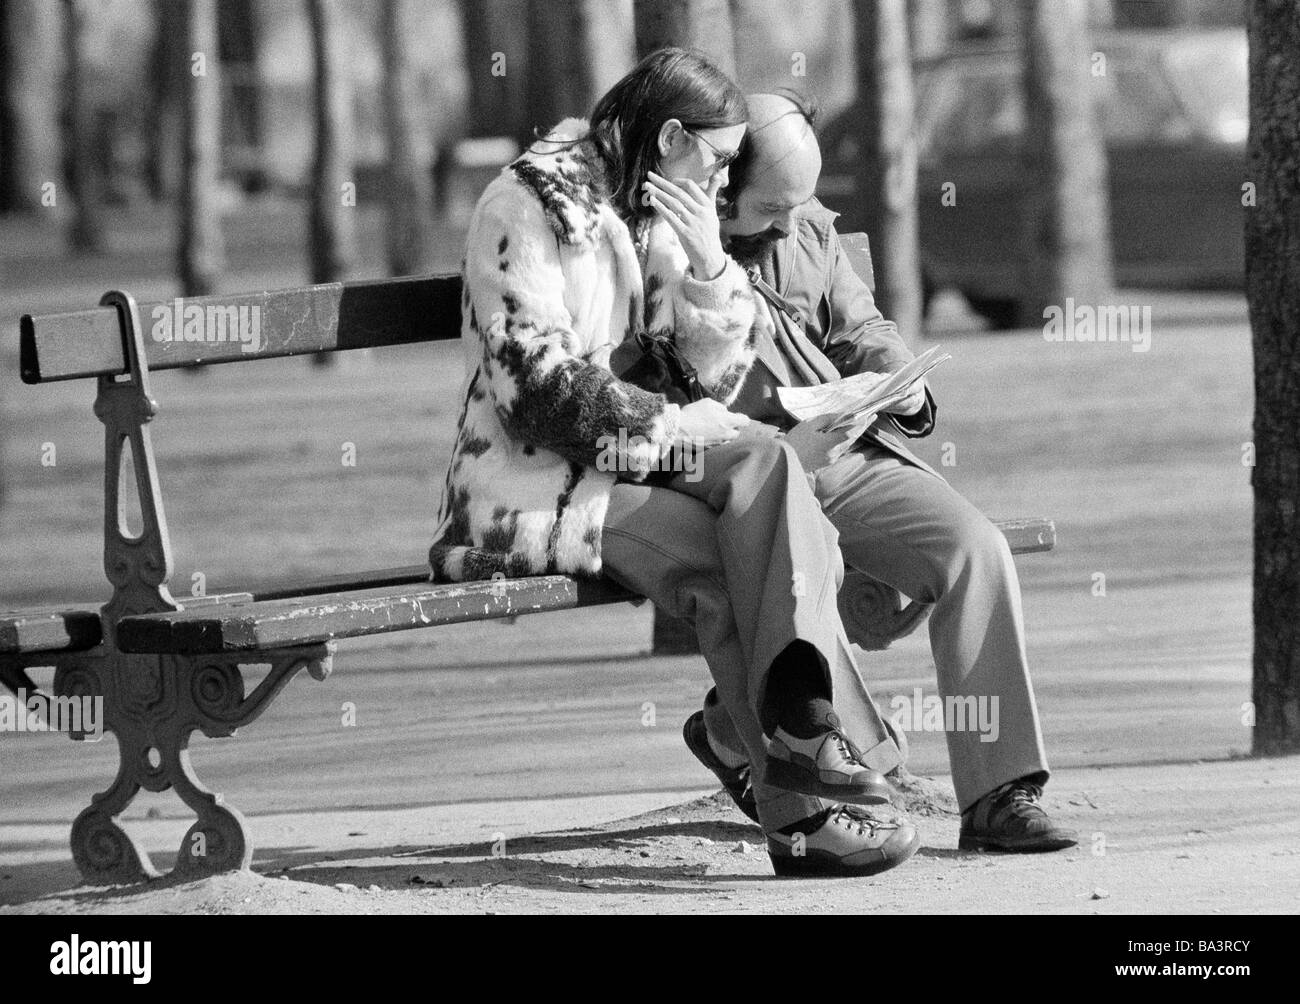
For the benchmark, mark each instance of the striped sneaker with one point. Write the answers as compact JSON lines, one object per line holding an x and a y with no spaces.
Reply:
{"x":826,"y":766}
{"x":844,"y":841}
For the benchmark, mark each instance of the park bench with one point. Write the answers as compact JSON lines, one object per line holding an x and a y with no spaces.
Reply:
{"x":168,"y":667}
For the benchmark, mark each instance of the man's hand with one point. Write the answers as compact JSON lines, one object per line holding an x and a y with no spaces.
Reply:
{"x":914,"y":401}
{"x":818,"y":447}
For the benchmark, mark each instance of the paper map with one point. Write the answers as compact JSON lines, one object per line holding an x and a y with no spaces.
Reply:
{"x":861,"y":397}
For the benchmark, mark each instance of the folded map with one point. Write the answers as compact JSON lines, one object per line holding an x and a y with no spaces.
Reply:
{"x":859,"y":398}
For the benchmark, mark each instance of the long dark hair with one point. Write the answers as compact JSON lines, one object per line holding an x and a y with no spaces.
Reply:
{"x":668,"y":84}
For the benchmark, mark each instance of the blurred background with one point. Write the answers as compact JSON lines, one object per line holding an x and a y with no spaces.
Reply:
{"x":95,"y":95}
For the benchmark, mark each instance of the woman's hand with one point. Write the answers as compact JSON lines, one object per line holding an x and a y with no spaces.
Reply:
{"x":817,"y":446}
{"x":708,"y":423}
{"x":692,"y":212}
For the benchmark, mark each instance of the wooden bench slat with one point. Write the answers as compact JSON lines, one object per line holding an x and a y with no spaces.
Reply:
{"x":78,"y":629}
{"x":1028,"y":534}
{"x":328,"y":318}
{"x":65,"y":629}
{"x":271,"y":624}
{"x":293,"y":617}
{"x":73,"y":629}
{"x":380,"y":578}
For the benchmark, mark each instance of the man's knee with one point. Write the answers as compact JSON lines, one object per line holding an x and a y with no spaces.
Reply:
{"x":974,"y":543}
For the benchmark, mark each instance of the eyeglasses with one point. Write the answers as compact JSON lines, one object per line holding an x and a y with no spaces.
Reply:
{"x":722,"y":160}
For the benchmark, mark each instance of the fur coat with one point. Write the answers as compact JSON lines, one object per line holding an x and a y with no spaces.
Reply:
{"x":552,"y":284}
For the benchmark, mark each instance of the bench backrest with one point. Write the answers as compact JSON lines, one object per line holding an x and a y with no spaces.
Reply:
{"x":269,"y":325}
{"x":327,"y":318}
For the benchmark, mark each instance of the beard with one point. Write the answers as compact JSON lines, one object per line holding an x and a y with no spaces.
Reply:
{"x":752,"y":249}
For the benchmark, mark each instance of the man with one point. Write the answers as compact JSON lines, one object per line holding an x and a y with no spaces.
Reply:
{"x":899,"y":521}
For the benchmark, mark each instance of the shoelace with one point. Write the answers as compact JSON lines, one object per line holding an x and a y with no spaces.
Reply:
{"x":1019,"y":800}
{"x":1022,"y":793}
{"x":847,"y":749}
{"x":1012,"y":796}
{"x":867,"y":825}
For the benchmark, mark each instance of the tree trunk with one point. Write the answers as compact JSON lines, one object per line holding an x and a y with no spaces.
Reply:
{"x":1273,"y":293}
{"x":243,"y":26}
{"x":931,"y":22}
{"x":333,"y":204}
{"x":410,"y":185}
{"x":169,"y":70}
{"x":692,"y":24}
{"x":887,"y":165}
{"x":86,"y":233}
{"x":202,"y":247}
{"x":30,"y":148}
{"x":562,"y":60}
{"x":1066,"y":248}
{"x":496,"y":47}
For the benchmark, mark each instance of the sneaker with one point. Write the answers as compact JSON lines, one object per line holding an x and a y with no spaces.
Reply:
{"x":734,"y":779}
{"x":827,"y":766}
{"x":1009,"y":818}
{"x":848,"y":841}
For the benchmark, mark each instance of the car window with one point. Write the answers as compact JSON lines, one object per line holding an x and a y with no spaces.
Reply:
{"x":1138,"y":106}
{"x":972,"y":107}
{"x":1211,"y":77}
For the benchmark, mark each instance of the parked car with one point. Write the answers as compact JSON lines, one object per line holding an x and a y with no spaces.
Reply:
{"x":1173,"y":109}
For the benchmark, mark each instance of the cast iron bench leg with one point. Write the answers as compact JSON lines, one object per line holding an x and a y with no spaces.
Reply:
{"x":153,"y":704}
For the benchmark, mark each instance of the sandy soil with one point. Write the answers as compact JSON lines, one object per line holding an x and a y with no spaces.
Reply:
{"x":1178,"y":838}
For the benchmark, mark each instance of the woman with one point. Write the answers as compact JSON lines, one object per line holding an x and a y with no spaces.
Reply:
{"x":597,"y":231}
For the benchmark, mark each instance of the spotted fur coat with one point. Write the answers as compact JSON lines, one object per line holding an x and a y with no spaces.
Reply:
{"x":552,"y":284}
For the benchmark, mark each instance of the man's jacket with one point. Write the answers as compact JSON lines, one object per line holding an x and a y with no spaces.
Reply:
{"x":814,"y":276}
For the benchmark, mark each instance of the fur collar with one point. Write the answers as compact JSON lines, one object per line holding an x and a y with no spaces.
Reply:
{"x":567,"y":175}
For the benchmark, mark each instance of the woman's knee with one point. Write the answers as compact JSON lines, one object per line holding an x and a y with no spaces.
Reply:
{"x":765,"y":454}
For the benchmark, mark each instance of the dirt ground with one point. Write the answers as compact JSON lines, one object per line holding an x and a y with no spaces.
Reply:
{"x":1202,"y":838}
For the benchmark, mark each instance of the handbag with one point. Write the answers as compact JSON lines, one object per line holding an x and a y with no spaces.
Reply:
{"x":662,"y":369}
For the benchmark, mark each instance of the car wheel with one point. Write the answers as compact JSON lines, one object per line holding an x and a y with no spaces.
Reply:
{"x":928,"y":291}
{"x":1001,"y":313}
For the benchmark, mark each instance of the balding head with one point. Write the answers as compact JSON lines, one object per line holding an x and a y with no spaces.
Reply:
{"x":782,"y":165}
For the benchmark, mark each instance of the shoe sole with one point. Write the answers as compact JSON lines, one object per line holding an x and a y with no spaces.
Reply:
{"x":707,"y":758}
{"x":1036,"y":846}
{"x":788,"y":777}
{"x":820,"y":864}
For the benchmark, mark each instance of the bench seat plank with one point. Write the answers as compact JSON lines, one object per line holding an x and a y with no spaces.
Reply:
{"x":1028,"y":534}
{"x":72,"y":629}
{"x":380,"y":578}
{"x":270,"y":624}
{"x":399,"y":599}
{"x":61,"y":629}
